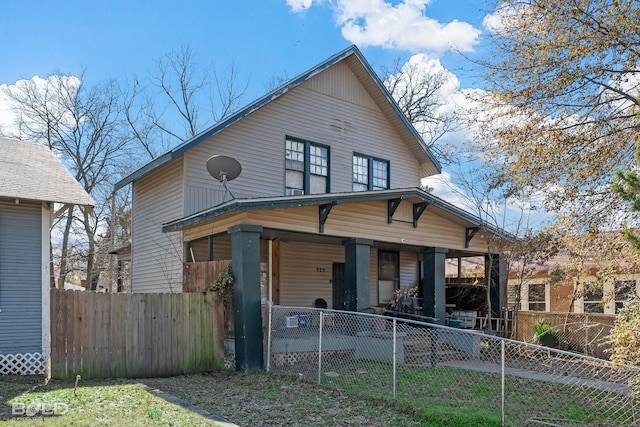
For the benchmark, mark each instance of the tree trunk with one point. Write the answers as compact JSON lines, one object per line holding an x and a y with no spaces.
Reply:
{"x":62,"y":274}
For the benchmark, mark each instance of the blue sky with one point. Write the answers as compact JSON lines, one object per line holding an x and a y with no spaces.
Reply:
{"x":265,"y":38}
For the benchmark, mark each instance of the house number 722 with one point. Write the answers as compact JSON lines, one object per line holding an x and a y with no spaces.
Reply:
{"x":319,"y":269}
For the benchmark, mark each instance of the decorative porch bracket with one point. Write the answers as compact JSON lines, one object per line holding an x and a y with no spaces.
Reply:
{"x":323,"y":214}
{"x":392,"y":206}
{"x":418,"y":210}
{"x":469,"y":233}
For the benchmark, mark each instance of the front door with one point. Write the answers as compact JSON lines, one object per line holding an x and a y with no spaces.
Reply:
{"x":338,"y":286}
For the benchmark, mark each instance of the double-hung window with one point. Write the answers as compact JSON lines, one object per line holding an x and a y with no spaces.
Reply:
{"x":537,"y":300}
{"x":307,"y":167}
{"x":370,"y":173}
{"x":624,"y":289}
{"x":593,"y":299}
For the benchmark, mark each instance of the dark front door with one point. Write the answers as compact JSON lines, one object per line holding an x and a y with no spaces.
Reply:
{"x":338,"y":285}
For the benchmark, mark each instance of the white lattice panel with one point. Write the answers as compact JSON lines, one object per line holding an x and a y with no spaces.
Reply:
{"x":22,"y":364}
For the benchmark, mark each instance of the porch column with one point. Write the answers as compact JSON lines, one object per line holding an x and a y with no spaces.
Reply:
{"x":433,"y":284}
{"x":247,"y":310}
{"x":357,"y":266}
{"x":497,"y":282}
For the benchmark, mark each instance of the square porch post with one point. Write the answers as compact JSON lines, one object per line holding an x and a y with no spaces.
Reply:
{"x":433,"y":283}
{"x":247,"y":309}
{"x":496,"y":267}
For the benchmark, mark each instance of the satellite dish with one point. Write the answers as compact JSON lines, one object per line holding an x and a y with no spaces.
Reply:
{"x":224,"y":168}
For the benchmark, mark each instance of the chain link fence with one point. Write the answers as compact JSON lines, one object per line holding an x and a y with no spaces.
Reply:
{"x":441,"y":369}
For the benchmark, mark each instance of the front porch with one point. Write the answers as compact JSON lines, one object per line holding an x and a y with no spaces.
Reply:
{"x":354,"y":252}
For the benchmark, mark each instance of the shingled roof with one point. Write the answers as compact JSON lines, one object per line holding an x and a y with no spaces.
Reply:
{"x":32,"y":172}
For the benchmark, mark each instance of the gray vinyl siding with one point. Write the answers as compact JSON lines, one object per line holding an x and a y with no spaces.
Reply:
{"x":20,"y":277}
{"x":408,"y":269}
{"x":333,"y":109}
{"x":363,"y":219}
{"x":199,"y":249}
{"x":305,"y":272}
{"x":156,"y":256}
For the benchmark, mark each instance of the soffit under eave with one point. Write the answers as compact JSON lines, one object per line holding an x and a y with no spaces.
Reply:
{"x":220,"y":224}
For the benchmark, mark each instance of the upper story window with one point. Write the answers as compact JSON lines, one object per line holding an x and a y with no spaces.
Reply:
{"x":370,"y":173}
{"x":307,"y":167}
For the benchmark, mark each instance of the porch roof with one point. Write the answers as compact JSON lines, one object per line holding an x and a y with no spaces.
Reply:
{"x":416,"y":194}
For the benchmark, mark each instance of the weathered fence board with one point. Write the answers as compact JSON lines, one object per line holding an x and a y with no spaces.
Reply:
{"x":98,"y":335}
{"x":585,"y":333}
{"x":198,"y":275}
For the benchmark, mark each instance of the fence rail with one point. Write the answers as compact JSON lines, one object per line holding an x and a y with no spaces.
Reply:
{"x":103,"y":335}
{"x":427,"y":366}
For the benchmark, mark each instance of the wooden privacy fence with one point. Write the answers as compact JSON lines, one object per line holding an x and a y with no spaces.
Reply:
{"x":103,"y":335}
{"x":196,"y":276}
{"x":585,"y":333}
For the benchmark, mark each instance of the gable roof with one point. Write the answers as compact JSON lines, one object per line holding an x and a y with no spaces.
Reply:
{"x":32,"y":172}
{"x":367,"y":77}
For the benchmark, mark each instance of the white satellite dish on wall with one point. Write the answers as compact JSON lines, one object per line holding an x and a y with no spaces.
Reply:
{"x":224,"y":168}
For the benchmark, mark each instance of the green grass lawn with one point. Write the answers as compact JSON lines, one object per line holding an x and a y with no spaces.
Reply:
{"x":29,"y":401}
{"x":358,"y":396}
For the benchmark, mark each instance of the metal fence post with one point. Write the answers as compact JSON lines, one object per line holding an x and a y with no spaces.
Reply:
{"x":269,"y":317}
{"x":394,"y":357}
{"x":320,"y":347}
{"x":502,"y":363}
{"x":586,"y":334}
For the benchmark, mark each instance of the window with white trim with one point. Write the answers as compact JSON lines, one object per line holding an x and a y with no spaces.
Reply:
{"x":537,"y":300}
{"x":370,"y":173}
{"x":306,"y":167}
{"x":593,"y":299}
{"x":624,"y":290}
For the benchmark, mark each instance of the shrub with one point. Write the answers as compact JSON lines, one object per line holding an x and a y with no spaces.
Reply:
{"x":625,"y":335}
{"x":545,"y":334}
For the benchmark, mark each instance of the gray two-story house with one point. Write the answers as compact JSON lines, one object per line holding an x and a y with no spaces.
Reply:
{"x":327,"y":207}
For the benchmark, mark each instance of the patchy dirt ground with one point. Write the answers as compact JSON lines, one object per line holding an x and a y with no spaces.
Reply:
{"x":255,"y":399}
{"x":260,"y":399}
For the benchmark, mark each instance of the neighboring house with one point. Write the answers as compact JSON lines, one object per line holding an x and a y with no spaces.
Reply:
{"x":543,"y":292}
{"x":32,"y":179}
{"x":327,"y":208}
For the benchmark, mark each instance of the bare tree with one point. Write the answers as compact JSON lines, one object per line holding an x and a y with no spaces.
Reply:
{"x":83,"y":126}
{"x":178,"y":100}
{"x":422,"y":97}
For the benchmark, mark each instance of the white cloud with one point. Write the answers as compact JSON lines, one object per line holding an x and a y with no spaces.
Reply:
{"x":42,"y":88}
{"x":299,"y":5}
{"x":404,"y":26}
{"x":7,"y":117}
